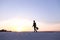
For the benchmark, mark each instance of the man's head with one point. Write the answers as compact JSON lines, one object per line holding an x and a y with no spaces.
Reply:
{"x":34,"y":21}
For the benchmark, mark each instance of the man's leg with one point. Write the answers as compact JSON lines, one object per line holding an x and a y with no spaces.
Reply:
{"x":35,"y":30}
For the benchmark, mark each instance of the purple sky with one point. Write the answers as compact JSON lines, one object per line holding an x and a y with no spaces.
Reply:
{"x":41,"y":10}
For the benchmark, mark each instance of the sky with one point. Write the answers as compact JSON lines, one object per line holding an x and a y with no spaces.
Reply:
{"x":46,"y":13}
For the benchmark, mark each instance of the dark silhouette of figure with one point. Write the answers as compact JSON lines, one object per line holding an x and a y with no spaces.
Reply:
{"x":34,"y":25}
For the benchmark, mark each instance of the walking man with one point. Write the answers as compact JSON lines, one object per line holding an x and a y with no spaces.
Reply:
{"x":34,"y":25}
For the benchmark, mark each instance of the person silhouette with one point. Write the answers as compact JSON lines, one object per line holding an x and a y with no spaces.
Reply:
{"x":34,"y":25}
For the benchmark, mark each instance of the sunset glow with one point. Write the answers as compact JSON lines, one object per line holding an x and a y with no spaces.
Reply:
{"x":21,"y":24}
{"x":16,"y":24}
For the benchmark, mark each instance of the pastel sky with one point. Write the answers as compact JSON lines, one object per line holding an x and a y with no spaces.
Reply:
{"x":13,"y":13}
